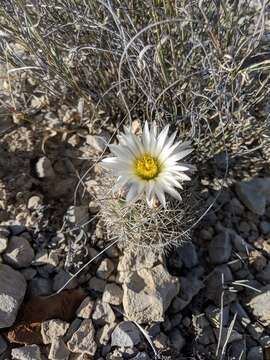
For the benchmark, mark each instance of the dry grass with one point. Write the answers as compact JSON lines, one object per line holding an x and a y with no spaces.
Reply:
{"x":201,"y":65}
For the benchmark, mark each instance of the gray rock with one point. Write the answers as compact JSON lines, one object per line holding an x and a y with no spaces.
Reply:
{"x":255,"y":353}
{"x":29,"y":273}
{"x":254,"y":194}
{"x":256,"y":330}
{"x":148,"y":294}
{"x":190,"y":287}
{"x":215,"y":288}
{"x":51,"y":329}
{"x":225,"y":338}
{"x":3,"y":345}
{"x":58,"y":350}
{"x":260,"y":306}
{"x":237,"y":350}
{"x":96,"y":284}
{"x":177,"y":340}
{"x":74,"y":326}
{"x":39,"y":286}
{"x":83,"y":340}
{"x":113,"y":294}
{"x":105,"y":269}
{"x":4,"y":235}
{"x":34,"y":202}
{"x":19,"y":252}
{"x":220,"y":248}
{"x":86,"y":308}
{"x":126,"y":334}
{"x":12,"y":291}
{"x":29,"y":352}
{"x":188,"y":254}
{"x":103,"y":313}
{"x":60,"y":280}
{"x":265,"y":227}
{"x":141,"y":356}
{"x":242,"y":316}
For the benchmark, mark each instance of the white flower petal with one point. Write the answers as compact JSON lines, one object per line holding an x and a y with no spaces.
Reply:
{"x":146,"y":137}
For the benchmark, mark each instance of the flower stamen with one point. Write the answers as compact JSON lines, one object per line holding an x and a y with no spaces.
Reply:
{"x":147,"y":167}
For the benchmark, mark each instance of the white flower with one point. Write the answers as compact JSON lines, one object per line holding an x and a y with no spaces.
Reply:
{"x":149,"y":164}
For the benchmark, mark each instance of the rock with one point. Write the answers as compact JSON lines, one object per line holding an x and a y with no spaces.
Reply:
{"x":29,"y":352}
{"x":113,"y":294}
{"x":105,"y":269}
{"x":177,"y":340}
{"x":131,"y":261}
{"x":256,"y":330}
{"x":74,"y":326}
{"x":141,"y":356}
{"x":12,"y":291}
{"x":45,"y":258}
{"x":215,"y":288}
{"x":39,"y":286}
{"x":96,"y":284}
{"x":103,"y":313}
{"x":265,"y":227}
{"x":260,"y":306}
{"x":254,"y":194}
{"x":264,"y":275}
{"x":53,"y":328}
{"x":126,"y":334}
{"x":184,"y":255}
{"x":19,"y":252}
{"x":220,"y":248}
{"x":59,"y":350}
{"x":148,"y":294}
{"x":86,"y":308}
{"x":237,"y":350}
{"x":34,"y":202}
{"x":213,"y":314}
{"x":3,"y":345}
{"x":104,"y":334}
{"x":255,"y":353}
{"x":4,"y":235}
{"x":82,"y":341}
{"x":29,"y":273}
{"x":225,"y":338}
{"x":242,"y":316}
{"x":190,"y":286}
{"x":60,"y":280}
{"x":43,"y":168}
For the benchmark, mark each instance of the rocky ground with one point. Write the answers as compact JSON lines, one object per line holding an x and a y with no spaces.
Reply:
{"x":207,"y":299}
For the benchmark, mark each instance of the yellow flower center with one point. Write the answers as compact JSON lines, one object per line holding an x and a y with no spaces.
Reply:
{"x":147,"y":167}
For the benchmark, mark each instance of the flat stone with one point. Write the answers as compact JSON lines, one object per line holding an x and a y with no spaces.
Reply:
{"x":103,"y":313}
{"x":265,"y":227}
{"x":148,"y":294}
{"x":131,"y":261}
{"x":177,"y":340}
{"x":83,"y":340}
{"x":260,"y":306}
{"x":190,"y":287}
{"x":39,"y":286}
{"x":51,"y":329}
{"x":126,"y":334}
{"x":29,"y":352}
{"x":86,"y":308}
{"x":19,"y":252}
{"x":12,"y":291}
{"x":44,"y":168}
{"x":58,"y":350}
{"x":105,"y":269}
{"x":113,"y":294}
{"x":220,"y":248}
